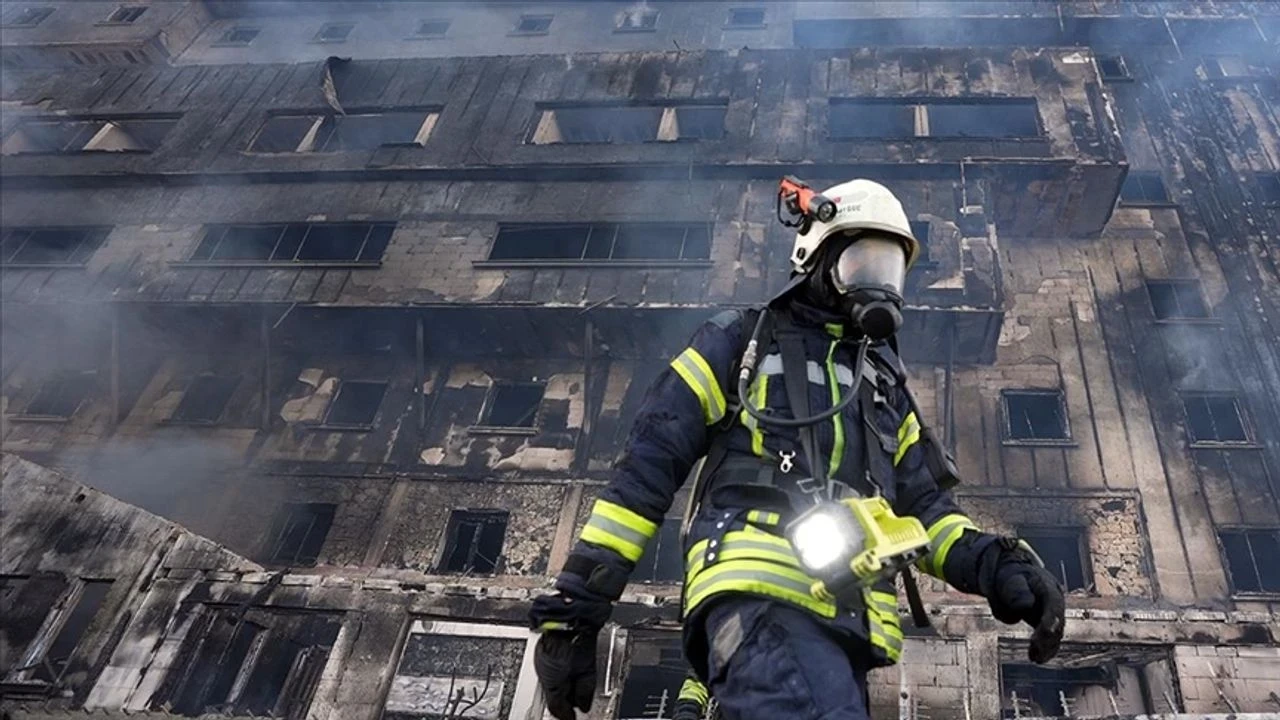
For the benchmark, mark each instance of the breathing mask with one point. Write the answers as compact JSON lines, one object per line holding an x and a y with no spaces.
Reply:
{"x":869,"y":274}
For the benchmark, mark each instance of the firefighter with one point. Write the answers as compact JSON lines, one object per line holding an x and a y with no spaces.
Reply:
{"x":776,"y":436}
{"x":693,"y":702}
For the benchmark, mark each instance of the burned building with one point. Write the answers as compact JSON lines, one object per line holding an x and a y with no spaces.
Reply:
{"x":323,"y":323}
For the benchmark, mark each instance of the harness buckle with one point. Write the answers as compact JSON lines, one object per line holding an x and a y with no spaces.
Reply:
{"x":787,"y":461}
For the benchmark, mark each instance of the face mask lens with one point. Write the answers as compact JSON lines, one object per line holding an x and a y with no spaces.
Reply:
{"x":871,"y":262}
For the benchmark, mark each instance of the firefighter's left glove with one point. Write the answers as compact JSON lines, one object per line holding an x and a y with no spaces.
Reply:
{"x":565,"y":658}
{"x":1019,"y":589}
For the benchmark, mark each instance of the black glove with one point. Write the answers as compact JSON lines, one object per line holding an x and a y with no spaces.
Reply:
{"x":1018,"y":588}
{"x":565,"y":658}
{"x":687,"y":710}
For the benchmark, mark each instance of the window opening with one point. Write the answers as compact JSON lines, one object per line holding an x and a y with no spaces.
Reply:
{"x":1177,"y":299}
{"x":745,"y":17}
{"x":28,"y":17}
{"x":979,"y":119}
{"x":61,"y":395}
{"x":920,"y":229}
{"x":334,"y":32}
{"x":299,"y":533}
{"x":1143,"y":188}
{"x":344,"y":133}
{"x":127,"y":14}
{"x":655,"y":673}
{"x":637,"y":20}
{"x":302,"y":243}
{"x":513,"y":405}
{"x":49,"y":246}
{"x":1251,"y":559}
{"x":602,"y":242}
{"x":205,"y":399}
{"x":1035,"y":415}
{"x":1087,"y":680}
{"x":534,"y":24}
{"x":698,"y":123}
{"x":1215,"y":419}
{"x":474,"y":541}
{"x":356,"y":404}
{"x":1113,"y":67}
{"x":1064,"y":552}
{"x":86,"y":606}
{"x":433,"y":28}
{"x":239,"y":35}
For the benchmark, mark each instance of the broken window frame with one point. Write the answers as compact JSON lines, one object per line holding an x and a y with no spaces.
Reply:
{"x":35,"y":657}
{"x":1248,"y":535}
{"x":320,"y":34}
{"x":284,"y":524}
{"x":735,"y":18}
{"x":228,"y":39}
{"x":1182,"y":291}
{"x":546,"y":128}
{"x":1105,"y":62}
{"x":482,"y":519}
{"x":418,"y":34}
{"x":125,"y":15}
{"x":1006,"y":415}
{"x":329,"y":423}
{"x":670,"y":666}
{"x":1213,"y":418}
{"x":325,"y":124}
{"x":533,"y":17}
{"x":648,"y":24}
{"x":491,"y":399}
{"x":702,"y":235}
{"x":14,"y":240}
{"x":28,"y":16}
{"x":90,"y":135}
{"x":226,"y":384}
{"x":1152,"y":190}
{"x":1229,"y":66}
{"x":1080,"y":536}
{"x":87,"y":377}
{"x":923,"y":123}
{"x":373,"y":244}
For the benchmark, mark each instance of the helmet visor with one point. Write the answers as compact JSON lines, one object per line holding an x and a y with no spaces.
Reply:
{"x":871,"y":261}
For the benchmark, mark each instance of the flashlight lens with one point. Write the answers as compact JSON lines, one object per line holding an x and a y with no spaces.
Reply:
{"x":818,"y":541}
{"x":826,"y":211}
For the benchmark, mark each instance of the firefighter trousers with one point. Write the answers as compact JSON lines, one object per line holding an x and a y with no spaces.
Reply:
{"x":769,"y":660}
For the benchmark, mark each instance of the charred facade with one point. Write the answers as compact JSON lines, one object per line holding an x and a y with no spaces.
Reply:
{"x":344,"y":311}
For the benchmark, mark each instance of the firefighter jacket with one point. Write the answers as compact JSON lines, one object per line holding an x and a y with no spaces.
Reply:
{"x":735,"y":544}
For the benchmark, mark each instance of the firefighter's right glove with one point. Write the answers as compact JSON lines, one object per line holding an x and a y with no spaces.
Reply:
{"x":1018,"y":588}
{"x":565,"y":658}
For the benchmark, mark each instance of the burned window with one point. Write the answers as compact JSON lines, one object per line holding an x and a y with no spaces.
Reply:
{"x":1269,"y":188}
{"x":1064,"y":553}
{"x":49,"y":246}
{"x":27,"y":16}
{"x":1087,"y":681}
{"x":141,"y":135}
{"x":1034,"y":415}
{"x":298,"y":533}
{"x":512,"y":405}
{"x":601,"y":242}
{"x":656,"y":671}
{"x":1251,"y":559}
{"x":663,"y":559}
{"x":1143,"y":188}
{"x":624,"y":124}
{"x":466,"y":671}
{"x":695,"y":123}
{"x":1228,"y":66}
{"x":205,"y":399}
{"x":82,"y":607}
{"x":1215,"y":418}
{"x":533,"y":25}
{"x":920,"y":229}
{"x":638,"y":19}
{"x":61,"y":395}
{"x":435,"y":28}
{"x":356,"y":404}
{"x":314,"y":243}
{"x":752,"y":17}
{"x":473,"y":541}
{"x":1177,"y":299}
{"x":336,"y":32}
{"x":987,"y":118}
{"x":126,"y":14}
{"x":861,"y":119}
{"x":25,"y":604}
{"x":250,"y":662}
{"x":238,"y":36}
{"x":356,"y":130}
{"x":1113,"y":68}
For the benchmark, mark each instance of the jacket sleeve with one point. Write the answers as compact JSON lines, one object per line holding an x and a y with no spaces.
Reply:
{"x":956,"y":545}
{"x":672,"y":430}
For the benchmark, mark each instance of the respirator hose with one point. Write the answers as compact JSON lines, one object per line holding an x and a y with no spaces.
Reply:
{"x":748,"y":367}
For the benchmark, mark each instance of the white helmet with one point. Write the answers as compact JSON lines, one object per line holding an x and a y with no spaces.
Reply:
{"x":860,"y":205}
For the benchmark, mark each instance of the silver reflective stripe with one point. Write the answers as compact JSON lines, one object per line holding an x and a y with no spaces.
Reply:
{"x":772,"y":365}
{"x":760,"y":575}
{"x":889,"y":640}
{"x":617,"y":529}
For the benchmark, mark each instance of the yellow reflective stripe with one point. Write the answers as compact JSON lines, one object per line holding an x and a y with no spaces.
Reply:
{"x":757,"y":577}
{"x":552,"y":625}
{"x":883,"y":600}
{"x":695,"y":371}
{"x":883,"y":622}
{"x":837,"y":446}
{"x":737,"y":545}
{"x":942,"y":535}
{"x":908,"y":435}
{"x":758,"y":399}
{"x":763,"y":517}
{"x":694,"y":691}
{"x":618,"y":529}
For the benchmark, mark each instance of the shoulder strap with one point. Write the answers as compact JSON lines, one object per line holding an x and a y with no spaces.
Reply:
{"x":795,"y":376}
